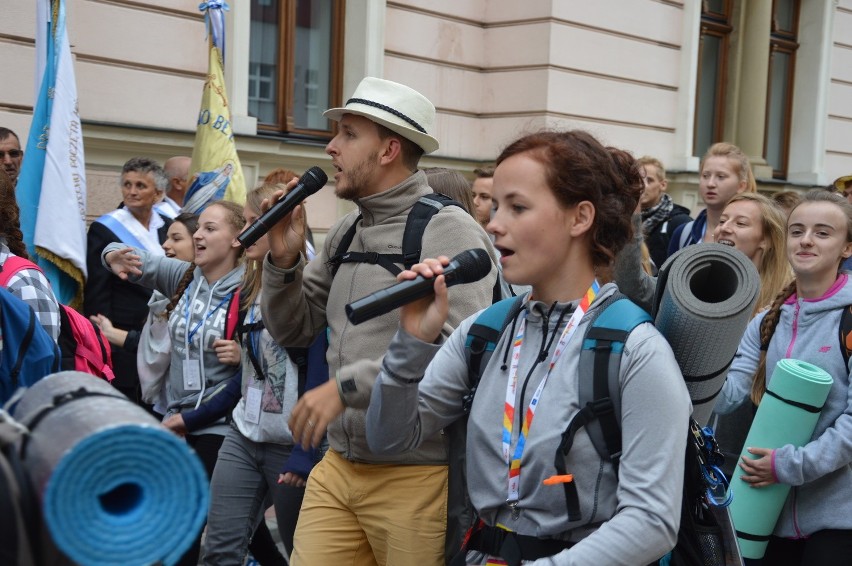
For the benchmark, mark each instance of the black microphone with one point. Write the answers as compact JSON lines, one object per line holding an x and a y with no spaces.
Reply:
{"x":467,"y":267}
{"x":313,"y":180}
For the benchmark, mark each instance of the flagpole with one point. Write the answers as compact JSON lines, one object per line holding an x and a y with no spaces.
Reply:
{"x":216,"y":172}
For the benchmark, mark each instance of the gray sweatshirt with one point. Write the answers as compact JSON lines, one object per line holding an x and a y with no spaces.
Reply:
{"x":209,"y":306}
{"x":821,"y":470}
{"x":626,"y":520}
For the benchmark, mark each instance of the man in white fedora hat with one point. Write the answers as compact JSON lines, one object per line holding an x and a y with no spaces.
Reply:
{"x":359,"y":507}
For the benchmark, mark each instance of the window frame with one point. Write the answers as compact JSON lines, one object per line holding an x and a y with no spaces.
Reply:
{"x":285,"y":84}
{"x":781,"y":41}
{"x":716,"y":25}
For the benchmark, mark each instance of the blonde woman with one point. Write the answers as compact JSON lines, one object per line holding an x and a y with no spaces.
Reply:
{"x":725,"y":172}
{"x":755,"y":225}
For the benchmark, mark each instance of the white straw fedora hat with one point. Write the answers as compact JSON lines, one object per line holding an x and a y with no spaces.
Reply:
{"x":397,"y":107}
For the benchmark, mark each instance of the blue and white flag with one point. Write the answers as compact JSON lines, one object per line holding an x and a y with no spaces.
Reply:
{"x":51,"y":189}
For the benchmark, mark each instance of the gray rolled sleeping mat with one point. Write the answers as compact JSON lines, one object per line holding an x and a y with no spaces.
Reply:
{"x":704,"y":299}
{"x":115,"y":486}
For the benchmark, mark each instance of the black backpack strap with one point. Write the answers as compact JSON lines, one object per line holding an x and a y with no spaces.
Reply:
{"x":604,"y":397}
{"x":343,"y":246}
{"x":846,"y":334}
{"x":601,"y":358}
{"x":300,"y":358}
{"x":412,"y":238}
{"x":600,"y":396}
{"x":343,"y":255}
{"x":418,"y":218}
{"x":388,"y":261}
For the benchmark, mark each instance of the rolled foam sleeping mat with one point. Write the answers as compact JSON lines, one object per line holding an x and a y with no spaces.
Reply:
{"x":115,"y":486}
{"x":787,"y":414}
{"x":704,"y":299}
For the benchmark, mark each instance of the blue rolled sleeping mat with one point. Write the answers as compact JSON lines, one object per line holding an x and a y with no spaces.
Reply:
{"x":704,"y":299}
{"x":787,"y":414}
{"x":115,"y":486}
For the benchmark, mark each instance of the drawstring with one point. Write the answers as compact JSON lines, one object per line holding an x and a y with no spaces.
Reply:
{"x":545,"y":348}
{"x":508,"y":346}
{"x":543,"y":354}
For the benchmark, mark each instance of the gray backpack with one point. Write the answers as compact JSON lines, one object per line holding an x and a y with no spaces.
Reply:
{"x":18,"y":506}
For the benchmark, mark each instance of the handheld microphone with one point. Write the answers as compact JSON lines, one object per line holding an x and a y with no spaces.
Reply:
{"x":313,"y":180}
{"x":467,"y":267}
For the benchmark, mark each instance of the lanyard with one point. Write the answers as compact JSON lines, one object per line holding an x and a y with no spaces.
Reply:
{"x":509,"y":413}
{"x":253,"y":343}
{"x":191,"y":333}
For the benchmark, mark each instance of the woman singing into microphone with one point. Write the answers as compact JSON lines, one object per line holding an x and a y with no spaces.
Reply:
{"x":563,"y":206}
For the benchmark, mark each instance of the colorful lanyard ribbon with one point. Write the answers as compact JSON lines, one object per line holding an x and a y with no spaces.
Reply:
{"x":511,"y":387}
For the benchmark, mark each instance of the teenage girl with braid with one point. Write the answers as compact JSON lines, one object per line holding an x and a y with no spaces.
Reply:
{"x":258,"y":453}
{"x":202,"y":360}
{"x":815,"y":526}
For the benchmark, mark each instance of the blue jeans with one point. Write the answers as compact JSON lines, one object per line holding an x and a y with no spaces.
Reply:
{"x":244,"y":481}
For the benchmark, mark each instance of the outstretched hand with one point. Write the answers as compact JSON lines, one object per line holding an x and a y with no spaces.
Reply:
{"x":424,"y":318}
{"x":124,"y":262}
{"x":287,"y":237}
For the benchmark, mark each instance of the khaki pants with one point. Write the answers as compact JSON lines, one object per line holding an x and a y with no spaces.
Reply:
{"x":372,"y":514}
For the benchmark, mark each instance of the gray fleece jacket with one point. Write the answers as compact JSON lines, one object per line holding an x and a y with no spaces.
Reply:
{"x":208,"y":305}
{"x":298,"y":303}
{"x":821,"y":470}
{"x":626,"y":520}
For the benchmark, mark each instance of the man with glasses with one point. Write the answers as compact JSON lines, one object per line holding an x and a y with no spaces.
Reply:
{"x":10,"y":153}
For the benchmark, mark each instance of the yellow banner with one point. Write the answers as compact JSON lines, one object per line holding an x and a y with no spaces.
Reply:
{"x":215,"y":171}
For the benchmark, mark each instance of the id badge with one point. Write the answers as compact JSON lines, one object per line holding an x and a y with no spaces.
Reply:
{"x":254,"y":395}
{"x":192,"y":375}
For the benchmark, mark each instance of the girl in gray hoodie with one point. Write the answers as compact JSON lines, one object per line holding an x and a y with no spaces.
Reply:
{"x":204,"y":358}
{"x":563,"y":206}
{"x":815,"y":526}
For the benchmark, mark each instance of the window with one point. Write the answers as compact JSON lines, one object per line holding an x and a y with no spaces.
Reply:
{"x":295,"y":64}
{"x":783,"y":43}
{"x":712,"y":74}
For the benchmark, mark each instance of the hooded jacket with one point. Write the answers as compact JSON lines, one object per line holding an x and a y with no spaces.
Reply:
{"x":300,"y":302}
{"x":203,"y":306}
{"x":820,"y":471}
{"x":626,"y":519}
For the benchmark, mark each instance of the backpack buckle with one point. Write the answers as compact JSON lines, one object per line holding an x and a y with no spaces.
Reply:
{"x":602,"y":406}
{"x":467,"y":400}
{"x":371,"y":257}
{"x":410,"y":259}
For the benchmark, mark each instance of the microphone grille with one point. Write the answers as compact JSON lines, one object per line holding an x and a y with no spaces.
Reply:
{"x":314,"y":179}
{"x":473,"y":265}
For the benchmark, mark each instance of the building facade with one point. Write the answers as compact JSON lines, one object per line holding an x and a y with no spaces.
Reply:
{"x":658,"y":77}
